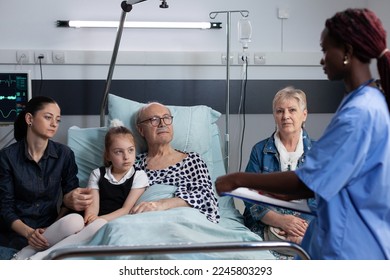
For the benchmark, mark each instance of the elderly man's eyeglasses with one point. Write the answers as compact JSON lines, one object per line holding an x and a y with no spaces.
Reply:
{"x":156,"y":121}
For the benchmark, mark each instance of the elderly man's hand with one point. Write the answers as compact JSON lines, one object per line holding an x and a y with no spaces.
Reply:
{"x":147,"y":207}
{"x":79,"y":199}
{"x":159,"y":205}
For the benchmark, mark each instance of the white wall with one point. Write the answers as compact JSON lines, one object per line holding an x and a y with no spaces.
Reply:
{"x":297,"y":34}
{"x":291,"y":46}
{"x":306,"y":16}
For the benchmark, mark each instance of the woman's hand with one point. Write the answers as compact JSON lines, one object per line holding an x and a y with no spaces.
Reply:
{"x":79,"y":199}
{"x":293,"y":226}
{"x":37,"y":240}
{"x":90,"y":218}
{"x":294,"y":239}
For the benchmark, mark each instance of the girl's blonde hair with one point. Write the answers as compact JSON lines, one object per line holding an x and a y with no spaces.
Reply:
{"x":111,"y":133}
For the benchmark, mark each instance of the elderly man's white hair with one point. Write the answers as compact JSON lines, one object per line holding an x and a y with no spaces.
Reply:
{"x":143,"y":108}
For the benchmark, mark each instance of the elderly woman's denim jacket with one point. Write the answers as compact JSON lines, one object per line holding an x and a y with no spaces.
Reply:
{"x":264,"y":158}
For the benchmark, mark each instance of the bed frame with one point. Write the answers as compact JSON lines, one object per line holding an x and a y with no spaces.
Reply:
{"x":107,"y":251}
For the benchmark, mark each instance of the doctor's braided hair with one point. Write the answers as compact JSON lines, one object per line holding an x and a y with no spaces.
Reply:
{"x":364,"y":31}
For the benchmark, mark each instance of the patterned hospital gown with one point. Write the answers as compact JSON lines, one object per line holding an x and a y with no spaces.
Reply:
{"x":193,"y":182}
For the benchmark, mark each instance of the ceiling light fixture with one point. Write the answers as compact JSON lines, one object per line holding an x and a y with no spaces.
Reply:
{"x":139,"y":24}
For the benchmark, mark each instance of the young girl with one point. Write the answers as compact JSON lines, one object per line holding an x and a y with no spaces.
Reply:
{"x":115,"y":187}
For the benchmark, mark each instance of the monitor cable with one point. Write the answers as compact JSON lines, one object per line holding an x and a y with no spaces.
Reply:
{"x":40,"y":68}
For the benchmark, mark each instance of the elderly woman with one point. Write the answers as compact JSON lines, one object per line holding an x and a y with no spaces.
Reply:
{"x":165,"y":165}
{"x":284,"y":150}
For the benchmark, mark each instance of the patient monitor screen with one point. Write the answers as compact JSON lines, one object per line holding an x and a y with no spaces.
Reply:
{"x":15,"y":92}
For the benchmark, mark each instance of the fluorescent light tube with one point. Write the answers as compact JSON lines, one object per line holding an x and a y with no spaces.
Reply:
{"x":139,"y":24}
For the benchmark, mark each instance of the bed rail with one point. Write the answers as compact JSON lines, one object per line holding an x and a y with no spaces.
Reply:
{"x":106,"y":250}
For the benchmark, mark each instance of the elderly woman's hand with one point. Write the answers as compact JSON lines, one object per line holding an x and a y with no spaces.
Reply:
{"x":293,"y":226}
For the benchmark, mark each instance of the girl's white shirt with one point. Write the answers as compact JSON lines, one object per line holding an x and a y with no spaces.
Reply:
{"x":140,"y":178}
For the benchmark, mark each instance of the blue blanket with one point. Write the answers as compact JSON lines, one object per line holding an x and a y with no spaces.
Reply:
{"x":176,"y":226}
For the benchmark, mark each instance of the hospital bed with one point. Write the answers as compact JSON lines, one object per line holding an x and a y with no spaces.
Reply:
{"x":179,"y":233}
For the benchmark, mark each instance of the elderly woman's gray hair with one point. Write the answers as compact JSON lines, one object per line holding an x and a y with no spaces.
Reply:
{"x":288,"y":93}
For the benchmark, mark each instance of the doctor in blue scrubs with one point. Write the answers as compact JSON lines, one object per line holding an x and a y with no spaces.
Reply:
{"x":348,"y":168}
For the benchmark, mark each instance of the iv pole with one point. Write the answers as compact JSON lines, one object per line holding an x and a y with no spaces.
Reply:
{"x":213,"y":15}
{"x":126,"y":8}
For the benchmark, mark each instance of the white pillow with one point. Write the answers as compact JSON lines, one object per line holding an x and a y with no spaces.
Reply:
{"x":191,"y":125}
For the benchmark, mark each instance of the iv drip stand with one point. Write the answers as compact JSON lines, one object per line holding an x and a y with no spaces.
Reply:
{"x":213,"y":15}
{"x":126,"y":8}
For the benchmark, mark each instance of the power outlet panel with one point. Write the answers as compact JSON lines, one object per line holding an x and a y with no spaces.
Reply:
{"x":259,"y":58}
{"x":41,"y":57}
{"x":58,"y":57}
{"x":224,"y":61}
{"x":283,"y":13}
{"x":22,"y":57}
{"x":242,"y":57}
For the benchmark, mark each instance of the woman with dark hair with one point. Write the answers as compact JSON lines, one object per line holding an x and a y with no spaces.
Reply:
{"x":347,"y":169}
{"x":34,"y":174}
{"x":116,"y":186}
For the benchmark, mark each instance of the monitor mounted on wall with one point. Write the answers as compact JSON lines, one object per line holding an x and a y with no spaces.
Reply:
{"x":15,"y":92}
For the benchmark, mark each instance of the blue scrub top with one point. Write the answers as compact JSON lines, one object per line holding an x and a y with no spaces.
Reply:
{"x":348,"y":168}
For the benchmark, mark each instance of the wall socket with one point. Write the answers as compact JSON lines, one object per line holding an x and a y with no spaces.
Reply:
{"x":22,"y":56}
{"x":242,"y":57}
{"x":223,"y":59}
{"x":41,"y":57}
{"x":283,"y":13}
{"x":58,"y":57}
{"x":259,"y":58}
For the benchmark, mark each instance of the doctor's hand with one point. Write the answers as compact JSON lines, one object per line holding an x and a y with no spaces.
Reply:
{"x":226,"y":183}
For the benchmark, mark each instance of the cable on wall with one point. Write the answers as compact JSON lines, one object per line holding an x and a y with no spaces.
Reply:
{"x":283,"y":14}
{"x":41,"y":71}
{"x":241,"y":110}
